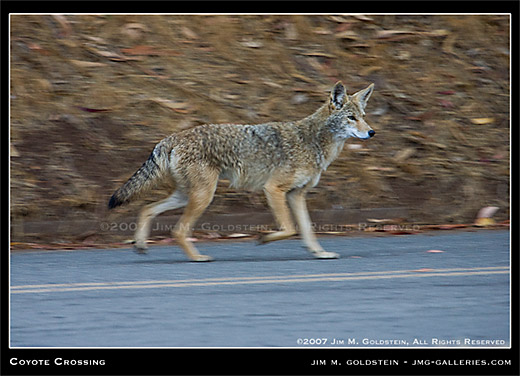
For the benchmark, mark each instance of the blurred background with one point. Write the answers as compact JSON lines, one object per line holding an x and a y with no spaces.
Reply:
{"x":91,"y":95}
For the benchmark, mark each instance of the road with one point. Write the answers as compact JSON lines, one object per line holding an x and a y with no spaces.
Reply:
{"x":384,"y":291}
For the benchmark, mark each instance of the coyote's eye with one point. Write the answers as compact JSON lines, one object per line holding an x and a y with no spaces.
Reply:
{"x":350,"y":117}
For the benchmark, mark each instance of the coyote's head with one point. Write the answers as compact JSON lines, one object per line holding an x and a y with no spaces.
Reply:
{"x":347,"y":112}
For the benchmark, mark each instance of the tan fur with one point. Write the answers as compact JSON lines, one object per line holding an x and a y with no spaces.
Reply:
{"x":284,"y":159}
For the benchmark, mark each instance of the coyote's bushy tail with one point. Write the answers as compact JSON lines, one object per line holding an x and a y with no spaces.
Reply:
{"x":143,"y":179}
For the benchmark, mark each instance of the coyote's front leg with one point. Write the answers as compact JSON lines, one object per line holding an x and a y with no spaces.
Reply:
{"x":297,"y":203}
{"x":277,"y":201}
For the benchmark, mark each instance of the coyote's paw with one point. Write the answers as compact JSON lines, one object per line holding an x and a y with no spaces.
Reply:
{"x":274,"y":236}
{"x":140,"y":248}
{"x":326,"y":255}
{"x":201,"y":258}
{"x":261,"y":240}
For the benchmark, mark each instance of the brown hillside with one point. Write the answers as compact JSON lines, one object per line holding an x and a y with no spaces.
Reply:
{"x":91,"y":95}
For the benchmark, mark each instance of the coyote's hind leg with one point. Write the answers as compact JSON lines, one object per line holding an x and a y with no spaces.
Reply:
{"x":200,"y":196}
{"x":176,"y":200}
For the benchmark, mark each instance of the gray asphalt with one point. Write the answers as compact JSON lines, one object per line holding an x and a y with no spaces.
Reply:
{"x":275,"y":295}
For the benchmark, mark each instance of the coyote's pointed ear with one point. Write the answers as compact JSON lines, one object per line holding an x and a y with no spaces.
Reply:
{"x":338,"y":96}
{"x":361,"y":97}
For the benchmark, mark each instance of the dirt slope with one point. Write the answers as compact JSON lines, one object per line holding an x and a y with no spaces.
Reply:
{"x":91,"y":95}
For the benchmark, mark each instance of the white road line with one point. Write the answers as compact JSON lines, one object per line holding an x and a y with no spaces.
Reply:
{"x":257,"y":277}
{"x":258,"y":280}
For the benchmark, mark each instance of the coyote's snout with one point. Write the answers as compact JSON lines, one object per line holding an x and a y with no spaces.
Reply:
{"x":285,"y":159}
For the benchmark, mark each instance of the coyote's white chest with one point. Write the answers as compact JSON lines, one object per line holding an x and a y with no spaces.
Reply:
{"x":331,"y":154}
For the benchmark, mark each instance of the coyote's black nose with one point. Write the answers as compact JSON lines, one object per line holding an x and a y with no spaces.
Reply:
{"x":371,"y":133}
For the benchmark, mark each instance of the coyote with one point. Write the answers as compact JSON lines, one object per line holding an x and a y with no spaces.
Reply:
{"x":285,"y":159}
